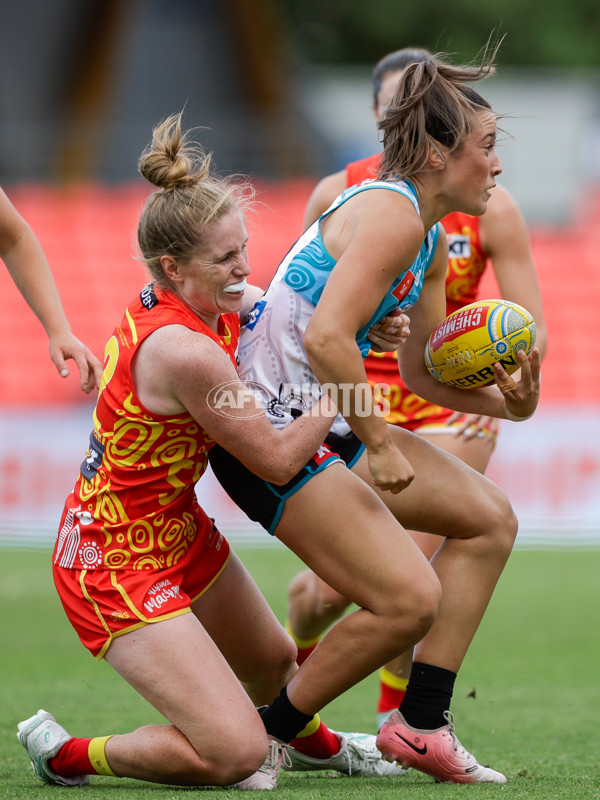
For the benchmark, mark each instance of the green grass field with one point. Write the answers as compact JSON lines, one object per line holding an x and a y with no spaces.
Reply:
{"x":533,"y":668}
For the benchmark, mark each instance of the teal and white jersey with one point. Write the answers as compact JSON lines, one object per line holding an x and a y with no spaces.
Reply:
{"x":272,"y":358}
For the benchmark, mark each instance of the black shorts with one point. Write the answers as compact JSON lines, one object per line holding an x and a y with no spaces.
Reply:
{"x":263,"y":501}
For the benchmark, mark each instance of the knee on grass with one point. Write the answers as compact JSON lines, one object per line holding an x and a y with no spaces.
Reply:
{"x":273,"y":665}
{"x":218,"y":768}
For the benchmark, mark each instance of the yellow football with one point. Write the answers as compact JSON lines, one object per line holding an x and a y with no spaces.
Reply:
{"x":463,"y":348}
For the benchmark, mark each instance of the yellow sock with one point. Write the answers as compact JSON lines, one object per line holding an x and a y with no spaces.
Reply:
{"x":98,"y":756}
{"x":393,"y":681}
{"x":301,"y":644}
{"x":312,"y":726}
{"x":316,"y":740}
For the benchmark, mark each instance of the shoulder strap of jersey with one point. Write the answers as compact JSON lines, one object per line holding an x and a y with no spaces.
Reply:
{"x":402,"y":187}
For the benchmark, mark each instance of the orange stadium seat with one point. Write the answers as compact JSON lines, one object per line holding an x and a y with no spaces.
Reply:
{"x":88,"y":234}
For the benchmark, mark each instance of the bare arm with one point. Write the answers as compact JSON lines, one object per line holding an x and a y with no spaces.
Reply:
{"x":387,"y":335}
{"x":370,"y":254}
{"x":251,"y":295}
{"x":178,"y":370}
{"x":28,"y":267}
{"x":323,"y":196}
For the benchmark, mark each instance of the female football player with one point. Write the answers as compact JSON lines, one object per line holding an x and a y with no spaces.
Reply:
{"x":379,"y":246}
{"x":499,"y":236}
{"x":145,"y":577}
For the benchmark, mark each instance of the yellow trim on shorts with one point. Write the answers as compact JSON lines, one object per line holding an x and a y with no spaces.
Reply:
{"x":139,"y":616}
{"x":441,"y":428}
{"x":128,"y":602}
{"x":85,"y":593}
{"x":134,"y":627}
{"x":140,"y":624}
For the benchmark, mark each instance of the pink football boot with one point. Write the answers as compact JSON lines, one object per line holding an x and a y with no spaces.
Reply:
{"x":435,"y":752}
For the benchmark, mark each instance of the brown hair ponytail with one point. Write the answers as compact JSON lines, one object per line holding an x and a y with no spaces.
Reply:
{"x":431,"y":105}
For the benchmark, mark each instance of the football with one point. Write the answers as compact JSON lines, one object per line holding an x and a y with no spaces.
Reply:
{"x":462,"y":349}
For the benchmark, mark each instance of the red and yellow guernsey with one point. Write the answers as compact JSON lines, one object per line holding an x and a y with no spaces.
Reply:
{"x":134,"y":506}
{"x":467,"y":262}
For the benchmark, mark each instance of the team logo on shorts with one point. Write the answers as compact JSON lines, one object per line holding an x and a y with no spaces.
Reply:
{"x":116,"y":615}
{"x":322,"y":455}
{"x":161,"y":593}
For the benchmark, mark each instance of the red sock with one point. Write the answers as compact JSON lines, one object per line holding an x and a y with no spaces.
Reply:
{"x":391,"y":691}
{"x":389,"y":699}
{"x":317,"y":743}
{"x":73,"y":759}
{"x":305,"y":646}
{"x":82,"y":757}
{"x":304,"y":652}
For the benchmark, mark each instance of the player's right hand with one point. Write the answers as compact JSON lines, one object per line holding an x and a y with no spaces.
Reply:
{"x":390,"y":470}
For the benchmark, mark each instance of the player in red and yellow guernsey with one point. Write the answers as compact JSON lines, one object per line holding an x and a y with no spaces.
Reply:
{"x":145,"y":578}
{"x":134,"y":506}
{"x":500,"y":238}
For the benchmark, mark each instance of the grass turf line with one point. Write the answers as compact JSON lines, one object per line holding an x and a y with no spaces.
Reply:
{"x":533,"y":668}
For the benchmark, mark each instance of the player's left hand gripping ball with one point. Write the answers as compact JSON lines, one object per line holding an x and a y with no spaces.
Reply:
{"x":463,"y":349}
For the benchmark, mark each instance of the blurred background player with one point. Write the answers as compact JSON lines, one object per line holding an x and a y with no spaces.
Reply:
{"x":498,"y":237}
{"x":29,"y":269}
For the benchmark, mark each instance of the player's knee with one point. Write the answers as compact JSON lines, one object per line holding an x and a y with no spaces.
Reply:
{"x":247,"y":762}
{"x":279,"y":661}
{"x":250,"y":754}
{"x":271,"y":666}
{"x":281,"y":664}
{"x":210,"y":763}
{"x":501,"y":521}
{"x":415,"y":608}
{"x":426,"y":598}
{"x":299,"y":585}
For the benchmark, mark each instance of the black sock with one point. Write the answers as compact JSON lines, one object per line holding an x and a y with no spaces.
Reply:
{"x":428,"y":695}
{"x":282,"y":719}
